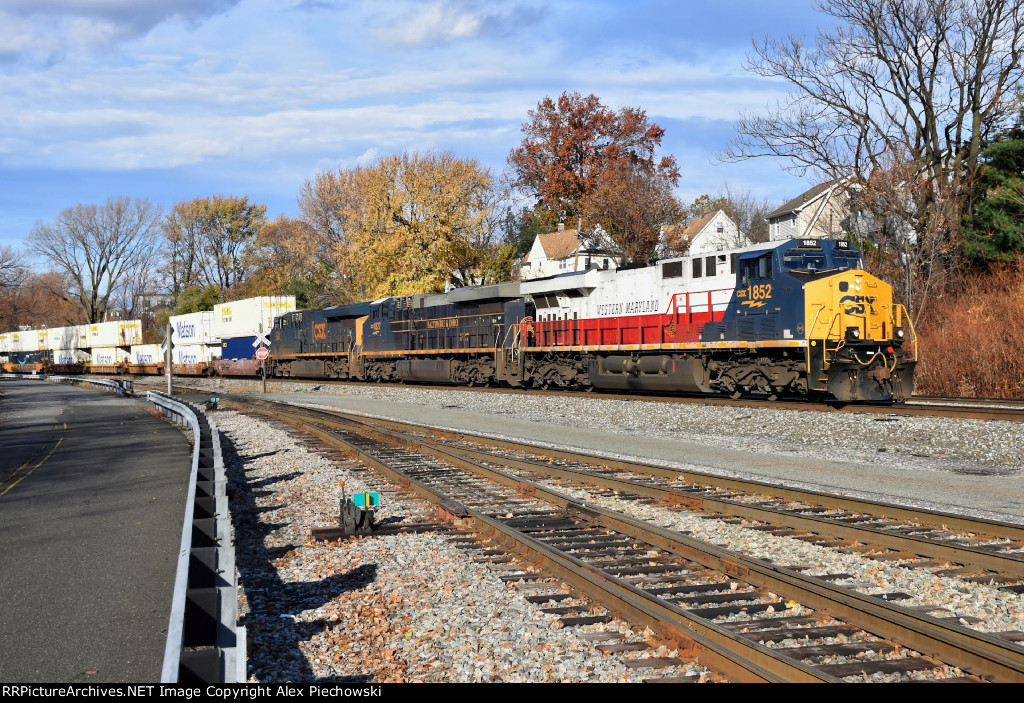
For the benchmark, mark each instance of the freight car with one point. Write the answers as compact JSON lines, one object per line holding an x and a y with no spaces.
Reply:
{"x":799,"y":317}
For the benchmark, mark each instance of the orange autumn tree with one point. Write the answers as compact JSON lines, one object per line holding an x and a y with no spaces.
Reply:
{"x":580,"y":159}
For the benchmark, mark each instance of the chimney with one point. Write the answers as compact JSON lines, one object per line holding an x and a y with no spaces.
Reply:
{"x":561,"y":226}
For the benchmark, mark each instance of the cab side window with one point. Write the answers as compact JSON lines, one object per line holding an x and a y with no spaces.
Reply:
{"x":761,"y":267}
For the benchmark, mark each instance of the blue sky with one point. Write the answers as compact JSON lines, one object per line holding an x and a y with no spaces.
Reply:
{"x":174,"y":99}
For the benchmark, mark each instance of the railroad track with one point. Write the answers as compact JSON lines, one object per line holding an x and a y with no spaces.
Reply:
{"x":746,"y":618}
{"x":921,"y":406}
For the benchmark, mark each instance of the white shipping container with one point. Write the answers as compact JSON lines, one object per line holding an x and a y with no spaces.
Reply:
{"x":192,"y":354}
{"x":242,"y":318}
{"x":42,"y":340}
{"x":25,"y":341}
{"x":118,"y":333}
{"x":107,"y":356}
{"x":62,"y":338}
{"x":69,"y":356}
{"x":131,"y":332}
{"x":193,"y":328}
{"x":147,"y":354}
{"x":5,"y":342}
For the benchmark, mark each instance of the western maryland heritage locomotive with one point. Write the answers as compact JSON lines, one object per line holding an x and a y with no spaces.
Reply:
{"x":799,"y":317}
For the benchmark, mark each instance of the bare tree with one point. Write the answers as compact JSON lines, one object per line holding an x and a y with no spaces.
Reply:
{"x":208,"y":239}
{"x":13,"y":269}
{"x":743,"y":207}
{"x":230,"y":227}
{"x":98,"y":248}
{"x":928,"y":76}
{"x":916,"y":82}
{"x":183,"y":237}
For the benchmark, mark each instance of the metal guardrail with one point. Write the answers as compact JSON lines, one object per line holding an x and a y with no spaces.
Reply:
{"x":204,"y":642}
{"x":121,"y":387}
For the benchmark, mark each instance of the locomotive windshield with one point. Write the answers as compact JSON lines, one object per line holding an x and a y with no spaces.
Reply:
{"x":846,"y":260}
{"x":804,"y":262}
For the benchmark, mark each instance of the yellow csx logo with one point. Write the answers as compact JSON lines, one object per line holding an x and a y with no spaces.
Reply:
{"x":320,"y":331}
{"x":755,"y":295}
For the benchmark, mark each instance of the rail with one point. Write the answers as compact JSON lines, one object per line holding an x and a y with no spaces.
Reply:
{"x":119,"y":387}
{"x":204,"y":642}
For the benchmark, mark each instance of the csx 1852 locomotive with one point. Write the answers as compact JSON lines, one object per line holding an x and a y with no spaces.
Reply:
{"x":799,"y":317}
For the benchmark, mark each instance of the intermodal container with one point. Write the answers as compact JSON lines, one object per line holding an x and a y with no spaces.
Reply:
{"x":62,"y":338}
{"x":109,"y":356}
{"x":24,"y":341}
{"x":237,"y":348}
{"x":242,"y":318}
{"x":68,"y":357}
{"x":145,"y":354}
{"x":118,"y":333}
{"x":193,"y":328}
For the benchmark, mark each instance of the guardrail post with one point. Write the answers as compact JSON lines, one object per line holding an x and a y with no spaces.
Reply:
{"x":204,"y":642}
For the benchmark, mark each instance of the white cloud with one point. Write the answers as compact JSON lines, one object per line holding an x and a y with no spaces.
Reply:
{"x":45,"y":30}
{"x":450,"y":20}
{"x":258,"y":94}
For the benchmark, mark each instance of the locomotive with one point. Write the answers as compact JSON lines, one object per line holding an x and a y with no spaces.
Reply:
{"x":798,"y":317}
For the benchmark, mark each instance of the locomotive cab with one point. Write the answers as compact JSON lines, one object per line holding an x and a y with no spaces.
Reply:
{"x":814,"y":293}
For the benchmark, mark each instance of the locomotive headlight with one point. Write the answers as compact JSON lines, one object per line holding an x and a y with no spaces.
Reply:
{"x":853,"y":333}
{"x":899,"y":334}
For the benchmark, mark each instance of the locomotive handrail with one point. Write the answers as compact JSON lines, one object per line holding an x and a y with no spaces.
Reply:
{"x":814,"y":322}
{"x":913,"y":332}
{"x":204,"y":641}
{"x":828,"y":335}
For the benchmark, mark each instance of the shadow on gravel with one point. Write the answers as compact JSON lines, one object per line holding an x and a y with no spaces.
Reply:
{"x":273,"y":603}
{"x":263,"y":483}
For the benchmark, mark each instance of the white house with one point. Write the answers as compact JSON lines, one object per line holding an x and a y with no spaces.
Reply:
{"x":712,"y":232}
{"x":822,"y":211}
{"x":564,"y":250}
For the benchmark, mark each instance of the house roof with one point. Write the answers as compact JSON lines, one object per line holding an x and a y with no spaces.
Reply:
{"x":558,"y":245}
{"x":803,"y":200}
{"x":697,"y":225}
{"x":679,"y":237}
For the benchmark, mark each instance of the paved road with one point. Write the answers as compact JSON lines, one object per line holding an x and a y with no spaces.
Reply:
{"x":92,"y":495}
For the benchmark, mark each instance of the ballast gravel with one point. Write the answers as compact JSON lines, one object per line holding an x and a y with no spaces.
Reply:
{"x":965,"y":466}
{"x":409,"y":607}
